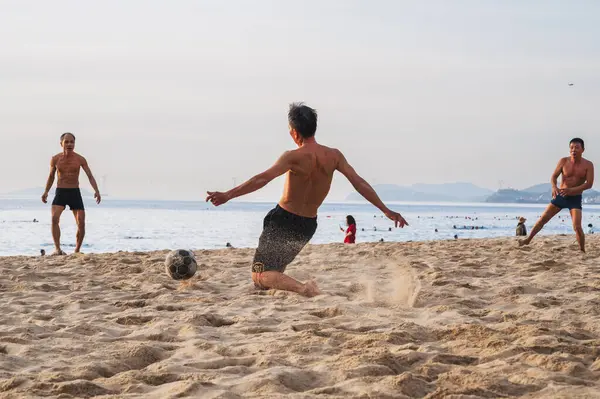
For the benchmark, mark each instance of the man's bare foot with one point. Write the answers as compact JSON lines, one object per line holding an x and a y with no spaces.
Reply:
{"x":523,"y":242}
{"x":310,"y":289}
{"x":58,"y":252}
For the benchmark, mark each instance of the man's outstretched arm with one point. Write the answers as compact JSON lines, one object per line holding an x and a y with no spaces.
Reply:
{"x":283,"y":164}
{"x":365,"y":189}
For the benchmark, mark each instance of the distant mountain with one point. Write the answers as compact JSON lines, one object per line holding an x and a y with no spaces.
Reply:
{"x":38,"y":191}
{"x":464,"y":191}
{"x":530,"y":196}
{"x":539,"y":188}
{"x":448,"y":192}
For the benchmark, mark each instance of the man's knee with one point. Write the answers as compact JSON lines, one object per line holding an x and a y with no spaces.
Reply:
{"x":577,"y":228}
{"x":55,"y":220}
{"x":80,"y":219}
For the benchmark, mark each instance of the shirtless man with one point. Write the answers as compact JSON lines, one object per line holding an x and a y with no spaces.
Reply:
{"x":67,"y":164}
{"x":291,"y":224}
{"x":577,"y":176}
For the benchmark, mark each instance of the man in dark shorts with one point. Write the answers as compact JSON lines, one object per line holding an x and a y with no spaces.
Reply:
{"x":577,"y":176}
{"x":291,"y":224}
{"x":67,"y":164}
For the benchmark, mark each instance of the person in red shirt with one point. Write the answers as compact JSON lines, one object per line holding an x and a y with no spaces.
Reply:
{"x":351,"y":231}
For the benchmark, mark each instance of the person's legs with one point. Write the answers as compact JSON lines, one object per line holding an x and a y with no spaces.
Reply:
{"x":283,"y":237}
{"x":80,"y":220}
{"x":576,"y":218}
{"x":548,"y":214}
{"x":57,"y":210}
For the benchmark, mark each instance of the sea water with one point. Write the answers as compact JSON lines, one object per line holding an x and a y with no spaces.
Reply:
{"x":127,"y":225}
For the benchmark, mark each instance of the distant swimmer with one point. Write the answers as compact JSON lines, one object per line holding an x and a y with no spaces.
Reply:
{"x":577,"y":176}
{"x":67,"y":165}
{"x":292,"y":223}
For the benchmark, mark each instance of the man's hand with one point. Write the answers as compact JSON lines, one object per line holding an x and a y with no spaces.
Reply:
{"x":98,"y":197}
{"x":566,"y":191}
{"x":217,"y":198}
{"x":45,"y":197}
{"x":397,"y":218}
{"x":554,"y":191}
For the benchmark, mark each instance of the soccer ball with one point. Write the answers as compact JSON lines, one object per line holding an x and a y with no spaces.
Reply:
{"x":180,"y":264}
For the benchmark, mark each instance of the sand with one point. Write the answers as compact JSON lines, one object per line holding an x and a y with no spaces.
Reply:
{"x":447,"y":319}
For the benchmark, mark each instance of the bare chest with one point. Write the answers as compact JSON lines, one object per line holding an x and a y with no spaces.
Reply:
{"x":572,"y":170}
{"x":68,"y":166}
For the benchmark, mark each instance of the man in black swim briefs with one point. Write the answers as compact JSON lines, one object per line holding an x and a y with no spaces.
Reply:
{"x":577,"y":176}
{"x":67,"y":164}
{"x":292,"y":223}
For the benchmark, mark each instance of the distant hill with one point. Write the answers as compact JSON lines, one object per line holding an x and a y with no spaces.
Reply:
{"x":530,"y":196}
{"x":447,"y":192}
{"x":38,"y":191}
{"x":539,"y":188}
{"x":460,"y":190}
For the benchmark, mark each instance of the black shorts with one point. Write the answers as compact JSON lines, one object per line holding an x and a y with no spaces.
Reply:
{"x":69,"y":196}
{"x":283,"y":237}
{"x":569,"y":201}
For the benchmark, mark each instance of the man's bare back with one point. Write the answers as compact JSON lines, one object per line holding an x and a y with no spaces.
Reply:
{"x":308,"y":181}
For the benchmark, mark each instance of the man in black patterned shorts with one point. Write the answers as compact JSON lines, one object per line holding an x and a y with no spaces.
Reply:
{"x":291,"y":224}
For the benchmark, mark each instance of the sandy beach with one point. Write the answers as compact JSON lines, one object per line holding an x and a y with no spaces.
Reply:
{"x":445,"y":319}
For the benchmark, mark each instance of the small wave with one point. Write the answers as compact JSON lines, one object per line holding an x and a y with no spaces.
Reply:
{"x":50,"y":244}
{"x":136,"y":238}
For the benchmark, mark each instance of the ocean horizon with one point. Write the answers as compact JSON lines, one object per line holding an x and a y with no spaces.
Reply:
{"x":146,"y":225}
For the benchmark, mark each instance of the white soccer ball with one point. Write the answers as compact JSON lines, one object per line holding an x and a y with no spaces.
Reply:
{"x":180,"y":264}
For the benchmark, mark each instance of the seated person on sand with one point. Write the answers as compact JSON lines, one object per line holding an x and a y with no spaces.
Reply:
{"x":521,"y":229}
{"x":291,"y":224}
{"x":577,"y":176}
{"x":590,"y":229}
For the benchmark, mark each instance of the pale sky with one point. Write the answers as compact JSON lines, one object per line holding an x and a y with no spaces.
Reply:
{"x":170,"y":99}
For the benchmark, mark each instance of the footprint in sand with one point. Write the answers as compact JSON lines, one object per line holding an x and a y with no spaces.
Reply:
{"x":130,"y":304}
{"x":134,"y":320}
{"x":326,"y":313}
{"x":209,"y":319}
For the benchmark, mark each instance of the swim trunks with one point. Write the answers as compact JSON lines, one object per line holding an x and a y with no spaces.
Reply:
{"x":283,"y":237}
{"x":569,"y":201}
{"x":69,"y":196}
